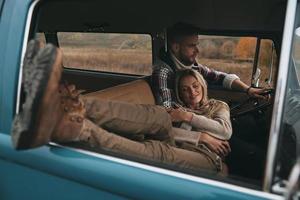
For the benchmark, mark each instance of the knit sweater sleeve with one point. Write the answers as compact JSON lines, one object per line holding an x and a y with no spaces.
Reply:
{"x":219,"y":125}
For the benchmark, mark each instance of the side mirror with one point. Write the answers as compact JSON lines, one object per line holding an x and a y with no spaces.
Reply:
{"x":292,"y":186}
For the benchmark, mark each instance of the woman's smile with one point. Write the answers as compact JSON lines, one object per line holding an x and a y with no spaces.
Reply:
{"x":191,"y":91}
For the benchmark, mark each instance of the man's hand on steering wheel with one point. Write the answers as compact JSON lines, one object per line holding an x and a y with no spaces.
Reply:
{"x":260,"y":93}
{"x":253,"y":92}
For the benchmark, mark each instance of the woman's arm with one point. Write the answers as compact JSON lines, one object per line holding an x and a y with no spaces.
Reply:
{"x":218,"y":126}
{"x":220,"y":147}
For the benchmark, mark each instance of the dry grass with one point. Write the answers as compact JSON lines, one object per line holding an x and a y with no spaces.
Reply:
{"x":242,"y":69}
{"x":139,"y":61}
{"x":109,"y":60}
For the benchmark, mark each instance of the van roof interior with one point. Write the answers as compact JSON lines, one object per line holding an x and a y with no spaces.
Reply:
{"x":230,"y":17}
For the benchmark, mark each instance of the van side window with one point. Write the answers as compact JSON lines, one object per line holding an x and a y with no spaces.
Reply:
{"x":107,"y":52}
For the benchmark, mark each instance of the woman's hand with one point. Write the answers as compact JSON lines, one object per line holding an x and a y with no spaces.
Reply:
{"x":220,"y":147}
{"x":180,"y":115}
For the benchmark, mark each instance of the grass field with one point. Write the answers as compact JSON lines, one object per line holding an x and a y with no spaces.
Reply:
{"x":242,"y":69}
{"x":111,"y":60}
{"x":140,"y":62}
{"x":131,"y":54}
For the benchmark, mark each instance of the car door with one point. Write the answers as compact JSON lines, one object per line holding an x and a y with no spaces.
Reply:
{"x":56,"y":171}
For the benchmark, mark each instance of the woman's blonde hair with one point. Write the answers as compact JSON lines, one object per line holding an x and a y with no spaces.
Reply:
{"x":198,"y":77}
{"x":206,"y":106}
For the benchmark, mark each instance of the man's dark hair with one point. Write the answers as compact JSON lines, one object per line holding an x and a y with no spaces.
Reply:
{"x":176,"y":32}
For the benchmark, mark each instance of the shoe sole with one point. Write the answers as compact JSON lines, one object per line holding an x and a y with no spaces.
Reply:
{"x":27,"y":130}
{"x":33,"y":48}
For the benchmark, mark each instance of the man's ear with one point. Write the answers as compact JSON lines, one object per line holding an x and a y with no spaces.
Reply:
{"x":175,"y":47}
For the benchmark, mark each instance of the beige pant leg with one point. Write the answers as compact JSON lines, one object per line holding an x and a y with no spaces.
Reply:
{"x":125,"y":118}
{"x":153,"y":150}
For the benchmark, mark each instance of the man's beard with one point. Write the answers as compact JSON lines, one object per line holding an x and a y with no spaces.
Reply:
{"x":186,"y":61}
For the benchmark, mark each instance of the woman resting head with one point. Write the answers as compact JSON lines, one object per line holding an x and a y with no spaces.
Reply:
{"x":208,"y":117}
{"x":191,"y":90}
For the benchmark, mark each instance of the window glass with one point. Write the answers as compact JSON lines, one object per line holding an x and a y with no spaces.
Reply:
{"x":236,"y":55}
{"x":108,"y":52}
{"x":267,"y":63}
{"x":228,"y":54}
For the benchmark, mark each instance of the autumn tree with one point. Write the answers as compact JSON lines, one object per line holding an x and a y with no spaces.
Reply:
{"x":245,"y":48}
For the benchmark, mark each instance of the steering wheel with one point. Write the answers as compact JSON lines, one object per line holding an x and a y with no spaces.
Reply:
{"x":251,"y":105}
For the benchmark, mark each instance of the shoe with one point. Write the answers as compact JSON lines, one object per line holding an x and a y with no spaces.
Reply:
{"x":32,"y":49}
{"x":70,"y":100}
{"x":41,"y":110}
{"x":51,"y":111}
{"x":68,"y":129}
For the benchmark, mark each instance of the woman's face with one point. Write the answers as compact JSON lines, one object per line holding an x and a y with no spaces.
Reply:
{"x":190,"y":91}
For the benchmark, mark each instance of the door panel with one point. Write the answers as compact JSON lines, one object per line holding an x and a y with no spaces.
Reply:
{"x":29,"y":183}
{"x":44,"y":172}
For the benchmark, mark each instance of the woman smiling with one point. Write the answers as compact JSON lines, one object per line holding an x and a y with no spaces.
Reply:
{"x":207,"y":118}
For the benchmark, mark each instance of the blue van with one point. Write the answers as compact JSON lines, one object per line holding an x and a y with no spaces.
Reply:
{"x":109,"y":50}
